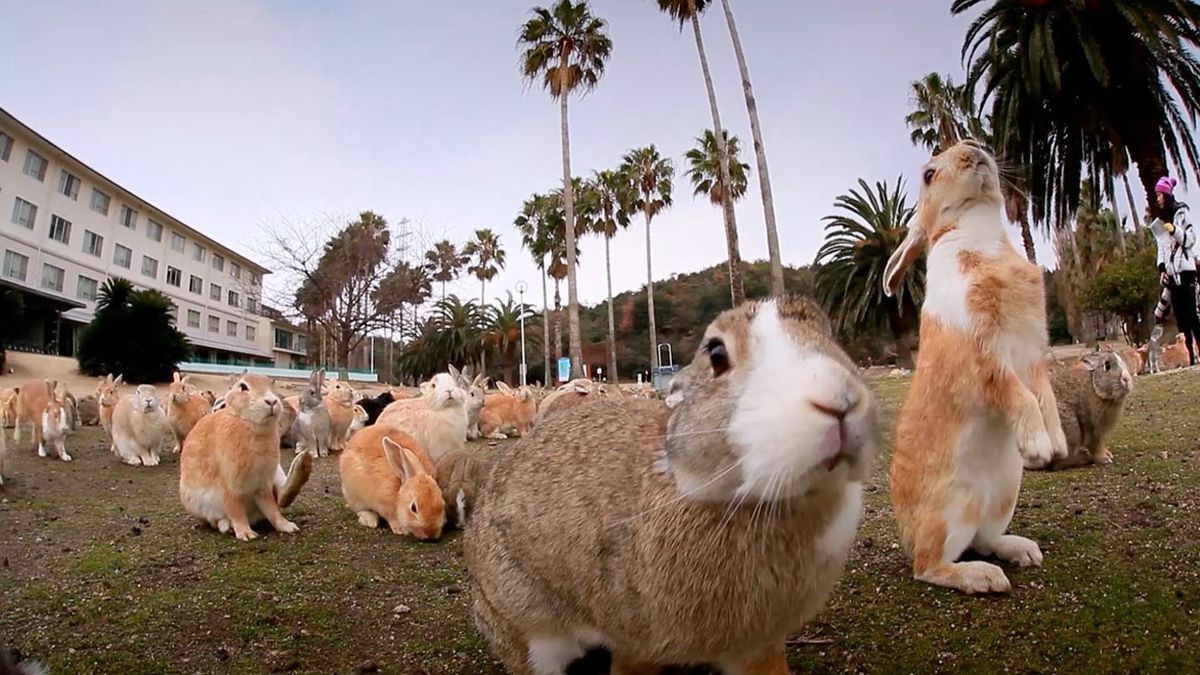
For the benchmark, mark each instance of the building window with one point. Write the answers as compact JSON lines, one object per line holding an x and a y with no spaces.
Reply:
{"x":196,"y":284}
{"x":177,"y":242}
{"x":69,"y":184}
{"x":100,"y":201}
{"x":254,"y":280}
{"x":35,"y":165}
{"x":193,"y":319}
{"x":302,"y":343}
{"x":154,"y":231}
{"x":233,"y":299}
{"x":93,"y":243}
{"x":60,"y":229}
{"x":24,"y":213}
{"x":129,"y":217}
{"x":214,"y":292}
{"x":251,"y":304}
{"x":231,"y":328}
{"x":86,"y":288}
{"x":174,"y":276}
{"x":214,"y":324}
{"x":283,"y":339}
{"x":52,"y":277}
{"x":122,"y":257}
{"x":235,"y":270}
{"x":6,"y":143}
{"x":149,"y":267}
{"x":198,"y":252}
{"x":16,"y":266}
{"x":218,"y":262}
{"x":250,"y":333}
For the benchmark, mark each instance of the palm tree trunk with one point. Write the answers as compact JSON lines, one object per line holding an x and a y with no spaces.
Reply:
{"x":482,"y":348}
{"x":443,"y":290}
{"x":736,"y":290}
{"x":573,"y":341}
{"x":760,"y":157}
{"x":1112,"y":195}
{"x":557,"y":324}
{"x":612,"y":326}
{"x":545,"y":327}
{"x":1137,"y":220}
{"x":650,"y":299}
{"x":1027,"y":239}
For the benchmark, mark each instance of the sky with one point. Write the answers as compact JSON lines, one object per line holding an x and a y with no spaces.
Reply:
{"x":235,"y":116}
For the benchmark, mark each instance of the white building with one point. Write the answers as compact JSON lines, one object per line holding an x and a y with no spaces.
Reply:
{"x":65,"y":228}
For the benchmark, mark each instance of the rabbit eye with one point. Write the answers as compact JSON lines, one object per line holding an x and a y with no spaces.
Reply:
{"x":929,"y":176}
{"x":413,"y":507}
{"x":1107,"y":365}
{"x":718,"y":356}
{"x":243,"y":386}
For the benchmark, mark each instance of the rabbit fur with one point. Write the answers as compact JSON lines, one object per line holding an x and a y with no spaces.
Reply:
{"x":139,"y":427}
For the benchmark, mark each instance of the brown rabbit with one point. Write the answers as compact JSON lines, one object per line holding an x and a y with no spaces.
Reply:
{"x":703,"y":530}
{"x":229,"y":471}
{"x":107,"y":395}
{"x":460,"y":476}
{"x":508,"y":413}
{"x":980,"y":403}
{"x":185,"y":407}
{"x":39,"y":404}
{"x":385,"y":473}
{"x":1090,"y":399}
{"x":340,"y":403}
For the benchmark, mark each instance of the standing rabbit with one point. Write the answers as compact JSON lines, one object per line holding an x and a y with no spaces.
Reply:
{"x":386,"y":474}
{"x":340,"y":404}
{"x":980,"y":404}
{"x":39,"y":404}
{"x":229,"y":471}
{"x":312,"y":429}
{"x":1153,"y":350}
{"x":107,"y":395}
{"x":704,"y":530}
{"x":475,"y":390}
{"x":508,"y":413}
{"x":185,"y":407}
{"x":1090,"y":399}
{"x":139,"y":427}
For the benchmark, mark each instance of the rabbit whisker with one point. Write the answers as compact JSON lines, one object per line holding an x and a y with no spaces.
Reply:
{"x":683,"y":495}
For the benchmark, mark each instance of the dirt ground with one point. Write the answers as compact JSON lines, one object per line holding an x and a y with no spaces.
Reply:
{"x":101,"y":571}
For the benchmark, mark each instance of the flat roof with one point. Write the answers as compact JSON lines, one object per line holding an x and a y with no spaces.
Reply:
{"x":4,"y":114}
{"x":66,"y":303}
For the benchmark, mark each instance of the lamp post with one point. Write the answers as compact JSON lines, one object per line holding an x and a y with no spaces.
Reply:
{"x":521,"y":287}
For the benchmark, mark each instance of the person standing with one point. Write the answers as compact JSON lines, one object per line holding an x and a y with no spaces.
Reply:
{"x":1176,"y":242}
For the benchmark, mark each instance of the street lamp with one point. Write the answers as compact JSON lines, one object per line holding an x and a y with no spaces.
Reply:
{"x":521,"y":287}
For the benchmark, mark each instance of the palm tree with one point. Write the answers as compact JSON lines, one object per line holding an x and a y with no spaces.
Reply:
{"x":445,"y":262}
{"x":487,"y":259}
{"x":585,"y":205}
{"x":536,"y":237}
{"x":943,"y":114}
{"x":760,"y":156}
{"x":685,"y":11}
{"x":705,"y":174}
{"x":614,"y":195}
{"x":503,"y":334}
{"x":1068,"y":81}
{"x":651,"y":174}
{"x":858,"y":242}
{"x":566,"y":48}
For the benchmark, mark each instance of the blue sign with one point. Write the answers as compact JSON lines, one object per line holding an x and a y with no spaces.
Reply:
{"x":564,"y":369}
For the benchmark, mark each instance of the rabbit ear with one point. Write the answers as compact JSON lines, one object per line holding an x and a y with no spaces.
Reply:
{"x":401,"y":460}
{"x":503,"y":387}
{"x":175,"y":379}
{"x":902,"y":258}
{"x":120,"y":379}
{"x":454,"y":372}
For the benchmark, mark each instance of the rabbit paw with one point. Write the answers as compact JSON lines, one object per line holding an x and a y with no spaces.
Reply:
{"x":1038,"y":450}
{"x":245,"y":535}
{"x":1104,"y":457}
{"x":1024,"y":552}
{"x":287,"y":527}
{"x":1059,"y":442}
{"x":977,"y":577}
{"x":65,"y":456}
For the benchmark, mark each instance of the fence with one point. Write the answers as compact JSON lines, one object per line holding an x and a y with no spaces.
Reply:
{"x":234,"y":367}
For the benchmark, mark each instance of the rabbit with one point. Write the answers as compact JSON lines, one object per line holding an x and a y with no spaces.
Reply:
{"x":39,"y":404}
{"x":437,"y":420}
{"x":139,"y":427}
{"x":374,"y":406}
{"x":509,"y":413}
{"x":1090,"y":402}
{"x":475,"y":390}
{"x":1131,"y":357}
{"x":70,"y":405}
{"x":209,"y":396}
{"x":340,"y":404}
{"x":361,"y":417}
{"x":229,"y":470}
{"x":287,"y":422}
{"x":1153,"y":351}
{"x":8,"y":406}
{"x":1175,"y":355}
{"x":566,"y":396}
{"x":386,"y":474}
{"x":980,"y":403}
{"x":313,"y":428}
{"x":460,"y":476}
{"x":89,"y":411}
{"x":185,"y":407}
{"x":706,"y":529}
{"x":107,"y":395}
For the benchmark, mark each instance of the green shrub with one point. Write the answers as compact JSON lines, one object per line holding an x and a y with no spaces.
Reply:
{"x":133,"y":333}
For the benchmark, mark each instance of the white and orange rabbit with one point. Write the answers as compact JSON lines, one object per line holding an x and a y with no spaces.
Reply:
{"x":229,"y":471}
{"x":980,"y":405}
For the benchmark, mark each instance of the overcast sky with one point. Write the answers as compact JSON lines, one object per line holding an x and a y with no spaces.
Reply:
{"x":230,"y":115}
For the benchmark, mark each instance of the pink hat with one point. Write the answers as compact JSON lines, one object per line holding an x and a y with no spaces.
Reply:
{"x":1165,"y":185}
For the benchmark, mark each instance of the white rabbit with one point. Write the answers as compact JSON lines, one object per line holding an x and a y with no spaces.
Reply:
{"x":139,"y":427}
{"x":437,"y":420}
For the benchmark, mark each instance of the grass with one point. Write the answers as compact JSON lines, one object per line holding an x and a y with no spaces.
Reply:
{"x":101,"y":571}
